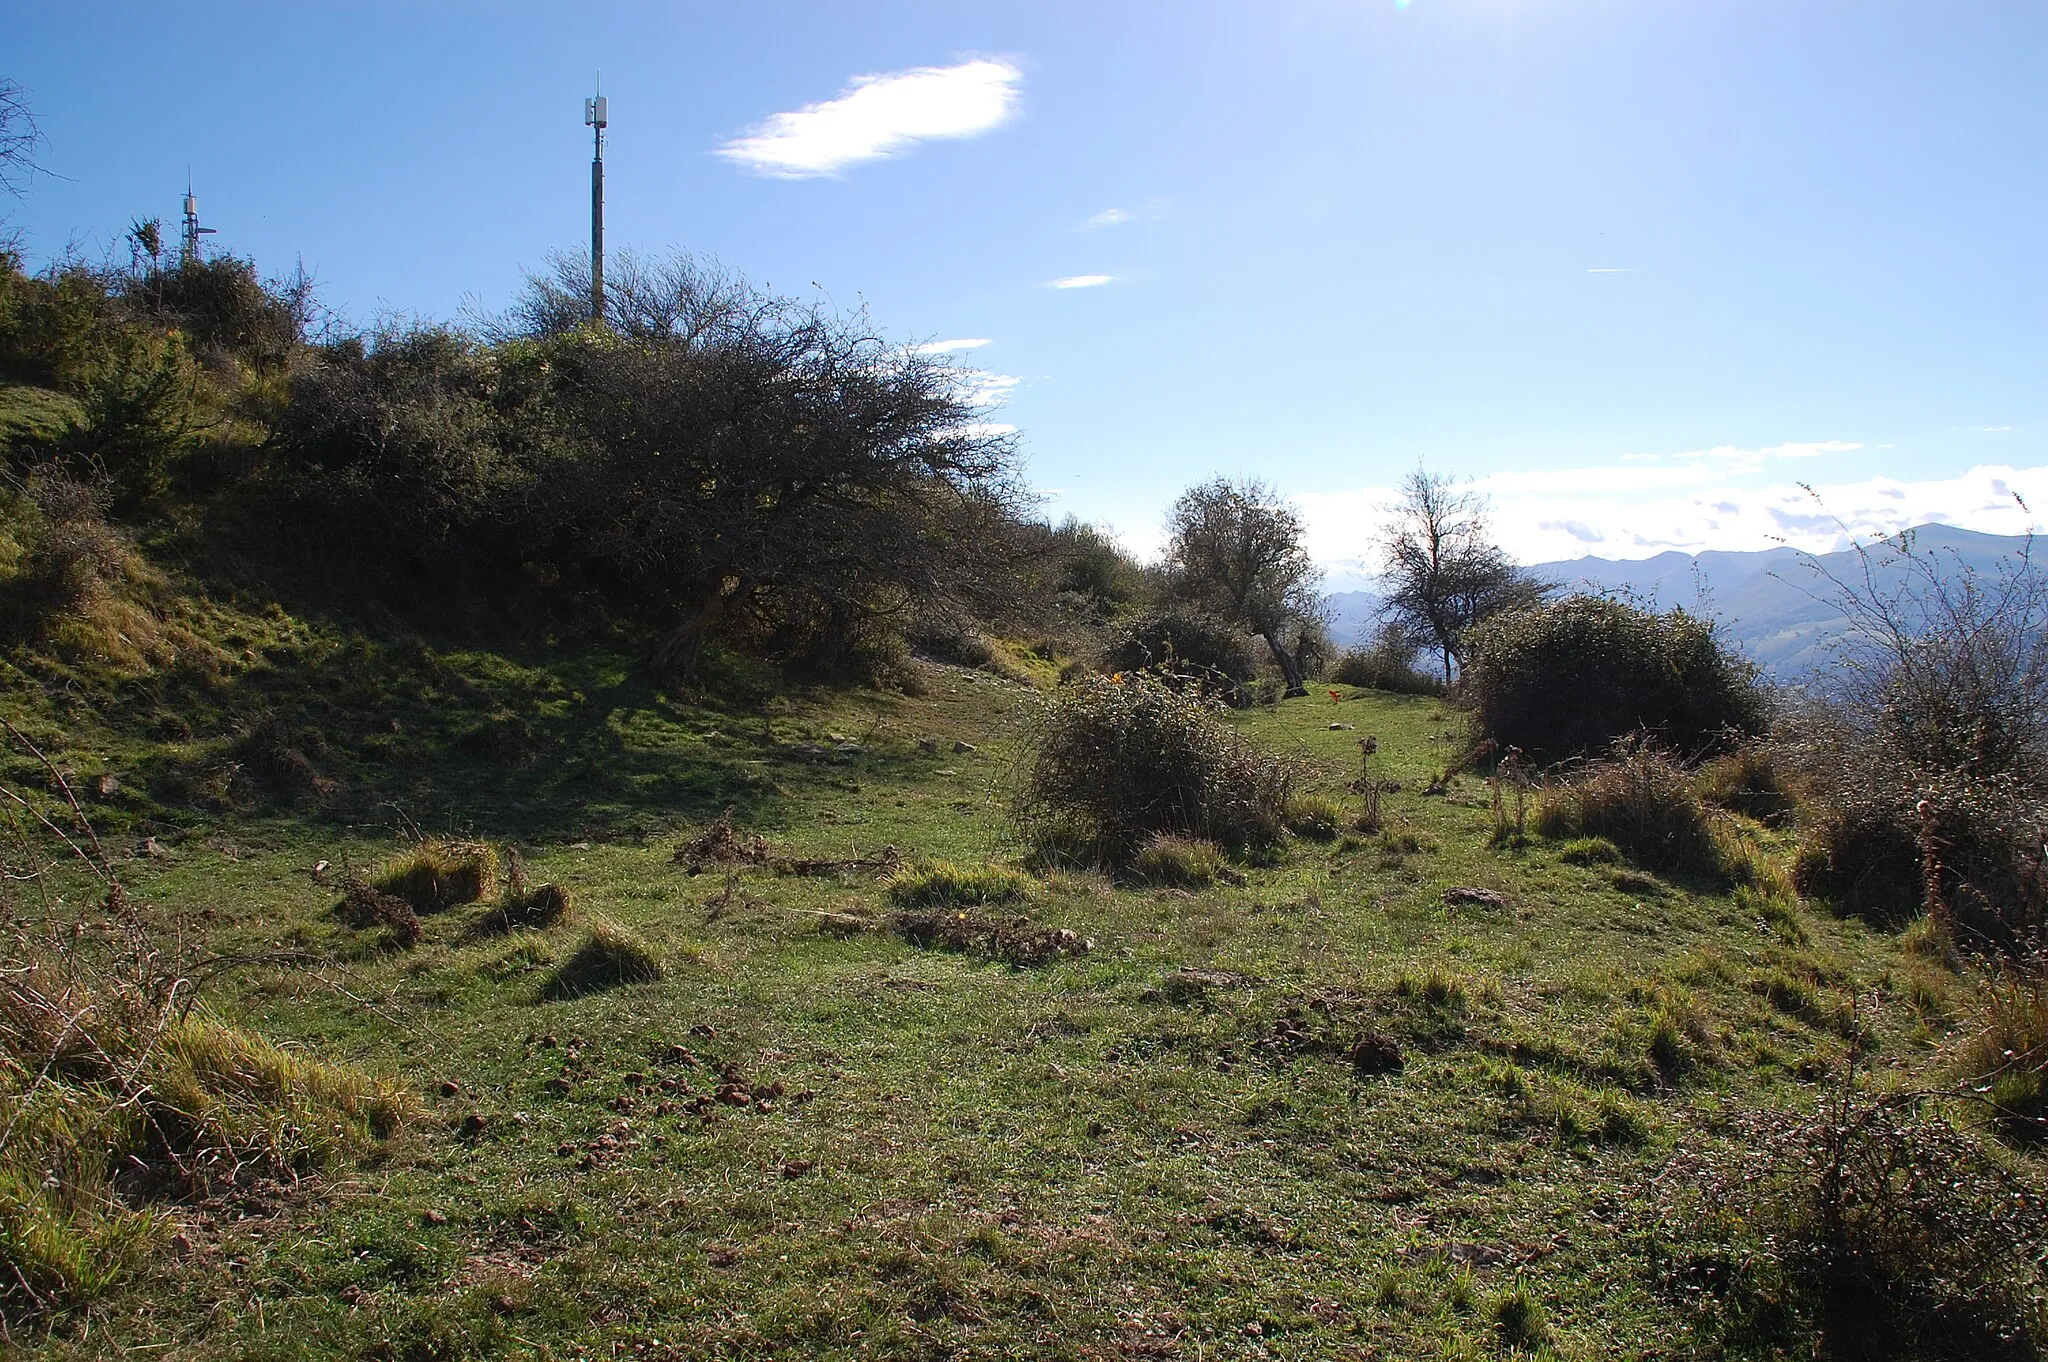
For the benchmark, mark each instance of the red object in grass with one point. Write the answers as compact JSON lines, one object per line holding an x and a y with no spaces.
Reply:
{"x":1335,"y":697}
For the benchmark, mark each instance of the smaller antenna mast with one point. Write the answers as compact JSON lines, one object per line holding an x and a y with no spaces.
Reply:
{"x":596,"y":113}
{"x":188,"y":253}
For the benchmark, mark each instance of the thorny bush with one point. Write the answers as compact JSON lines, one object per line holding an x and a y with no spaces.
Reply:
{"x":1114,"y":760}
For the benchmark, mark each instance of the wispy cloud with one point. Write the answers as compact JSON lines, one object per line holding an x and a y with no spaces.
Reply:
{"x":948,"y":347}
{"x":1084,"y":281}
{"x":1609,"y":269}
{"x":878,"y":116}
{"x":1110,"y":217}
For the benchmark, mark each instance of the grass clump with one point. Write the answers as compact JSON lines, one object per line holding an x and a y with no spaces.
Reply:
{"x":1115,"y":760}
{"x":114,"y":1108}
{"x":2006,"y":1059}
{"x":1589,"y":851}
{"x":1183,"y":862}
{"x":437,"y":875}
{"x":1746,"y":781}
{"x":609,"y":957}
{"x":1518,"y":1319}
{"x":538,"y":908}
{"x":1316,"y":817}
{"x":1642,"y":802}
{"x":944,"y":884}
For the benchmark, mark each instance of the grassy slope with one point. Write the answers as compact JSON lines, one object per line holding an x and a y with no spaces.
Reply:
{"x":1086,"y":1159}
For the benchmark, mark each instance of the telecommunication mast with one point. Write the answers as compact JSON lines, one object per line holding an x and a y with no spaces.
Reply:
{"x":594,"y":117}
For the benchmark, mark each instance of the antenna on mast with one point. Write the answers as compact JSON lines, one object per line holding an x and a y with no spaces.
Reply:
{"x":596,"y":113}
{"x":188,"y":253}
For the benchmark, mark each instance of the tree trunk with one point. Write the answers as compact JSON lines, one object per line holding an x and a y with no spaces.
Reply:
{"x":675,"y":657}
{"x":1287,"y":667}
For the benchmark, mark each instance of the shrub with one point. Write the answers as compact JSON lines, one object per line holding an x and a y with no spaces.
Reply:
{"x":1316,"y":817}
{"x":610,"y":956}
{"x":1115,"y":761}
{"x":1872,"y":1229}
{"x":1189,"y":646}
{"x":1885,"y":840}
{"x":1185,"y":862}
{"x":437,"y":875}
{"x":942,"y":884}
{"x":1387,"y":662}
{"x":1641,"y":801}
{"x":1567,"y":679}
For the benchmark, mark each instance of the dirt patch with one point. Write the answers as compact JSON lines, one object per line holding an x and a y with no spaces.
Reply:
{"x":1013,"y":940}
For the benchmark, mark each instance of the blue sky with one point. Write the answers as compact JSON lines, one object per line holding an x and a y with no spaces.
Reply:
{"x":1637,"y":267}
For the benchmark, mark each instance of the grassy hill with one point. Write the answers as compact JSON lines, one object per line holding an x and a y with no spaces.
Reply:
{"x":1344,"y":1107}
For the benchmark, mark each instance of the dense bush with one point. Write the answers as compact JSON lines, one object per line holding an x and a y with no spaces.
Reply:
{"x":1567,"y":679}
{"x":1112,"y":762}
{"x":1641,"y":801}
{"x":1186,"y":645}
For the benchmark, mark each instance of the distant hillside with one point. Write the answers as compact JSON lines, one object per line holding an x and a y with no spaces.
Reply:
{"x":1773,"y":602}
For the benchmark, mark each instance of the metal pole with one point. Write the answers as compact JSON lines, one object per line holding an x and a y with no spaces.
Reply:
{"x":597,"y":228}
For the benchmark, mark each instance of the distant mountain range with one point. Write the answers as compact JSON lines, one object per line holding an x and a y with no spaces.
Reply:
{"x":1774,"y":604}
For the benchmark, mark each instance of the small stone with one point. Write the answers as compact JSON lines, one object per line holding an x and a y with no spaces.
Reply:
{"x":961,"y":746}
{"x":559,"y":1086}
{"x":927,"y":744}
{"x":434,"y":1217}
{"x":796,"y":1168}
{"x":320,"y":872}
{"x":106,"y":785}
{"x":181,"y":1244}
{"x":450,"y":1088}
{"x":474,"y":1125}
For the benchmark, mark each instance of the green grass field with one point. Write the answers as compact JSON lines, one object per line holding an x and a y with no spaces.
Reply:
{"x":1331,"y":1110}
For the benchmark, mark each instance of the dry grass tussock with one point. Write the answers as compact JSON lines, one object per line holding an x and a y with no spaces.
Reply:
{"x":2006,"y":1056}
{"x":609,"y":957}
{"x":119,"y":1093}
{"x":439,"y":874}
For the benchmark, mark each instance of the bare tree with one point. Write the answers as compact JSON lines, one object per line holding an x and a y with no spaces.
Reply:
{"x":1237,"y":548}
{"x":19,"y":138}
{"x":1445,"y":572}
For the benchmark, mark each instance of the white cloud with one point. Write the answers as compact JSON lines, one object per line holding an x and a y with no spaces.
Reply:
{"x":880,"y":115}
{"x":986,"y":389}
{"x":948,"y":347}
{"x":1569,"y":513}
{"x":1110,"y":217}
{"x":1084,"y":281}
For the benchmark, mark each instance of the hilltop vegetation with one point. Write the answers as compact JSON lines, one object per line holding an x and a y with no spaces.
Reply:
{"x":555,"y":840}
